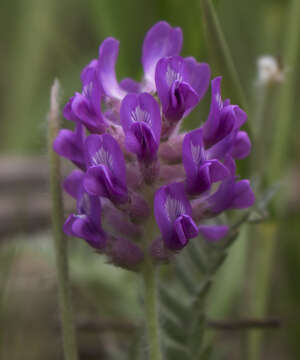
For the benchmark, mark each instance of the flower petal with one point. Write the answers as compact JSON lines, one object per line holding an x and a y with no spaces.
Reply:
{"x":82,"y":227}
{"x":177,"y":96}
{"x":108,"y":54}
{"x":243,"y":195}
{"x":69,"y":144}
{"x":160,"y":41}
{"x":211,"y":125}
{"x":83,"y":109}
{"x":140,"y":118}
{"x":197,"y":75}
{"x":68,"y":112}
{"x":104,"y":149}
{"x":106,"y":175}
{"x":170,"y":203}
{"x":213,"y":232}
{"x":141,"y":108}
{"x":185,"y":229}
{"x":73,"y":183}
{"x":130,"y":85}
{"x":242,"y":146}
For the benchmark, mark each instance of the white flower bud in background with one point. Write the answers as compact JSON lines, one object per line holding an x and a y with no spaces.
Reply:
{"x":269,"y":70}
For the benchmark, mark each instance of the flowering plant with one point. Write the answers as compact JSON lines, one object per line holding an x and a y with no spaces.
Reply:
{"x":143,"y":187}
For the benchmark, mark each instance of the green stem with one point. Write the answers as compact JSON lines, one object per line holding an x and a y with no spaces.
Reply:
{"x":60,"y":242}
{"x":264,"y":243}
{"x":151,"y":310}
{"x":220,"y":50}
{"x":281,"y":137}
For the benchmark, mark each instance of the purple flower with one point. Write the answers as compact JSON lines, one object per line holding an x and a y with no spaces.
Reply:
{"x":85,"y":107}
{"x":140,"y":118}
{"x":136,"y":161}
{"x":106,"y":171}
{"x":202,"y":169}
{"x":223,"y":117}
{"x":173,"y":212}
{"x":69,"y":144}
{"x":86,"y":223}
{"x":161,"y":40}
{"x":231,"y":194}
{"x":180,"y":83}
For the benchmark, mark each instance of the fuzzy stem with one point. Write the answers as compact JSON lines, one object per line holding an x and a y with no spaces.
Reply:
{"x":219,"y":47}
{"x":60,"y":242}
{"x":151,"y":311}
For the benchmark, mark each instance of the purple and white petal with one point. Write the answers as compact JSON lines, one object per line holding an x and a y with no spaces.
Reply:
{"x":106,"y":174}
{"x":176,"y":94}
{"x":211,"y":125}
{"x":83,"y":109}
{"x":108,"y":54}
{"x":82,"y":227}
{"x":160,"y":41}
{"x":140,"y":118}
{"x":170,"y":204}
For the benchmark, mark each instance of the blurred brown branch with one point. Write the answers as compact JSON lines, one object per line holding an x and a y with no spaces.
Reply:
{"x":25,"y":203}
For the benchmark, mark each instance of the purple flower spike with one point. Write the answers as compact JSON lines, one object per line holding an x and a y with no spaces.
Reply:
{"x":106,"y":174}
{"x":160,"y":41}
{"x":69,"y":144}
{"x":140,"y":118}
{"x":172,"y":212}
{"x":223,"y":117}
{"x":86,"y":224}
{"x":180,"y":84}
{"x":137,"y":159}
{"x":108,"y":54}
{"x":201,"y":170}
{"x":213,"y":232}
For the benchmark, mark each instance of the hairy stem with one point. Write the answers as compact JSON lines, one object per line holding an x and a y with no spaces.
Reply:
{"x":60,"y":242}
{"x":151,"y":311}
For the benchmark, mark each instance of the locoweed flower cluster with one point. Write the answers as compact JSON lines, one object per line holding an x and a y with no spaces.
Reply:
{"x":142,"y":187}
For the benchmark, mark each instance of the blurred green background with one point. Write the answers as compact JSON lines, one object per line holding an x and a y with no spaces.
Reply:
{"x":44,"y":39}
